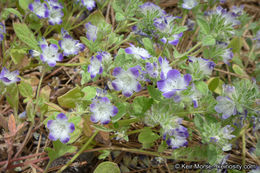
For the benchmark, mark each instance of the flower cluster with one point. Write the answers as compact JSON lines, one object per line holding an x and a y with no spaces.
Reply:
{"x":92,"y":31}
{"x":49,"y":53}
{"x":60,"y":128}
{"x":8,"y":77}
{"x":200,"y":66}
{"x":102,"y":110}
{"x":189,"y":4}
{"x":173,"y":84}
{"x":89,"y":4}
{"x":139,"y":53}
{"x":149,"y":8}
{"x":227,"y":53}
{"x":52,"y":11}
{"x":2,"y":31}
{"x":172,"y":131}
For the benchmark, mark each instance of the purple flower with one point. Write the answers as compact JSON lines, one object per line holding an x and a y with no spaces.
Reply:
{"x":148,"y":8}
{"x":126,"y":80}
{"x":257,"y":38}
{"x":205,"y":66}
{"x":106,"y":56}
{"x":165,"y":23}
{"x":237,"y":10}
{"x":165,"y":67}
{"x":2,"y":31}
{"x":95,"y":66}
{"x":70,"y":46}
{"x":102,"y":110}
{"x":138,"y":52}
{"x":91,"y":31}
{"x":227,"y":53}
{"x":50,"y":54}
{"x":229,"y":17}
{"x":56,"y":15}
{"x":54,"y":3}
{"x":40,"y":9}
{"x":152,"y":69}
{"x":190,"y":24}
{"x":226,"y":106}
{"x":173,"y":84}
{"x":195,"y":96}
{"x":174,"y":39}
{"x":89,"y":4}
{"x":189,"y":4}
{"x":60,"y":128}
{"x":8,"y":77}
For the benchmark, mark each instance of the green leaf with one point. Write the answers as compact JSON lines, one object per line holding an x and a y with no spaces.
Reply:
{"x":238,"y":70}
{"x":59,"y":149}
{"x":154,"y":93}
{"x":236,"y":44}
{"x":202,"y":87}
{"x":17,"y":55}
{"x":70,"y":99}
{"x":110,"y":167}
{"x":148,"y":45}
{"x":121,"y":111}
{"x":30,"y":111}
{"x":25,"y":35}
{"x":77,"y":132}
{"x":142,"y":104}
{"x":90,"y":92}
{"x":213,"y":84}
{"x":12,"y":96}
{"x":14,"y":11}
{"x":212,"y":154}
{"x":25,"y":89}
{"x":24,"y":4}
{"x":204,"y":26}
{"x":257,"y":151}
{"x":102,"y":128}
{"x":147,"y":137}
{"x":96,"y":18}
{"x":119,"y":17}
{"x":209,"y":40}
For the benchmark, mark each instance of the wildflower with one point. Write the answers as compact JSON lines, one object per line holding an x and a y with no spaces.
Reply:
{"x":91,"y":31}
{"x":227,"y":53}
{"x":237,"y":10}
{"x":56,"y":15}
{"x":195,"y":96}
{"x":102,"y":110}
{"x":152,"y":69}
{"x":174,"y":39}
{"x":226,"y":106}
{"x":70,"y":46}
{"x":22,"y":115}
{"x":60,"y":128}
{"x":189,"y":4}
{"x":126,"y":80}
{"x":257,"y":38}
{"x":2,"y":31}
{"x":50,"y":54}
{"x":54,"y":3}
{"x":165,"y":67}
{"x":90,"y":4}
{"x":165,"y":23}
{"x":138,"y":52}
{"x":174,"y":83}
{"x":106,"y":56}
{"x":8,"y":77}
{"x":95,"y":66}
{"x":229,"y":17}
{"x":149,"y":7}
{"x":190,"y":24}
{"x":205,"y":66}
{"x":40,"y":9}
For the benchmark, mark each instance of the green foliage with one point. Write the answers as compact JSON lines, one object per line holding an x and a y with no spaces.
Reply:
{"x":208,"y":40}
{"x":25,"y":35}
{"x":141,"y":104}
{"x":147,"y":137}
{"x":7,"y":11}
{"x":154,"y":93}
{"x":71,"y":98}
{"x":59,"y":149}
{"x":122,"y":110}
{"x":107,"y":167}
{"x":24,"y":4}
{"x":204,"y":26}
{"x":25,"y":89}
{"x":17,"y":55}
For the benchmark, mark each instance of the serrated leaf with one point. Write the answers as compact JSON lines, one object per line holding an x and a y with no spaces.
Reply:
{"x":110,"y":167}
{"x":25,"y":35}
{"x":59,"y":149}
{"x":154,"y":93}
{"x":25,"y":89}
{"x":204,"y":26}
{"x":141,"y":104}
{"x":147,"y":137}
{"x":209,"y":40}
{"x":70,"y":99}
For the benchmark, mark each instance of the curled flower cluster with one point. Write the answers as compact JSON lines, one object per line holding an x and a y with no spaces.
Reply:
{"x":91,"y":31}
{"x":189,"y":4}
{"x":52,"y":11}
{"x":201,"y":66}
{"x":89,"y":4}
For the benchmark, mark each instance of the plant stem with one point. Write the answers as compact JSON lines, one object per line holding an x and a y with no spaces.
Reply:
{"x":79,"y":152}
{"x":118,"y":44}
{"x":47,"y":167}
{"x":244,"y":149}
{"x":70,"y":64}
